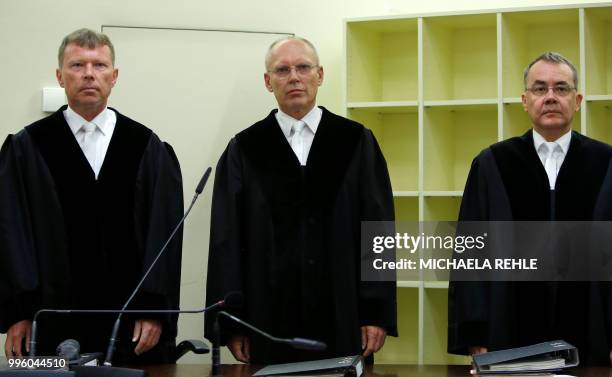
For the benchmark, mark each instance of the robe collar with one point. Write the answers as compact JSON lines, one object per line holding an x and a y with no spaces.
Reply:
{"x":278,"y":170}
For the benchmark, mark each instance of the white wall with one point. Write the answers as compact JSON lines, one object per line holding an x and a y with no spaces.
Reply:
{"x":30,"y":32}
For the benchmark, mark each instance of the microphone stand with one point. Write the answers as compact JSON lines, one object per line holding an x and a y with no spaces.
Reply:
{"x":34,"y":335}
{"x":216,"y":352}
{"x":113,"y":338}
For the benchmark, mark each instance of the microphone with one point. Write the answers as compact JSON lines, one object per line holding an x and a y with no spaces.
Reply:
{"x":230,"y":301}
{"x":200,"y":186}
{"x":298,"y":343}
{"x":113,"y":339}
{"x":69,"y":349}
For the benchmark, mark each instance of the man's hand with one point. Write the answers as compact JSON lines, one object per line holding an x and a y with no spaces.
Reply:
{"x":372,"y":339}
{"x":146,"y":333}
{"x":476,"y":350}
{"x":14,"y":338}
{"x":240,"y":347}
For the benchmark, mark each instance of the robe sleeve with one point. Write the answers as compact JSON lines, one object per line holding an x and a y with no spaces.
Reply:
{"x":467,"y":300}
{"x":484,"y":199}
{"x":225,"y":248}
{"x":603,"y":209}
{"x":377,"y":300}
{"x":18,"y":263}
{"x":158,"y":209}
{"x":603,"y":212}
{"x":32,"y":241}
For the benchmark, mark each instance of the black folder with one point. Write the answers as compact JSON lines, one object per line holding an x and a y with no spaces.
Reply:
{"x":347,"y":366}
{"x":542,"y":357}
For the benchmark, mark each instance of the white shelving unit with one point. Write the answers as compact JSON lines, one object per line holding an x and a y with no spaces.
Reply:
{"x":438,"y":88}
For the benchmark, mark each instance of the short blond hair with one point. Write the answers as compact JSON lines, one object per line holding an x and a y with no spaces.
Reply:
{"x":85,"y":38}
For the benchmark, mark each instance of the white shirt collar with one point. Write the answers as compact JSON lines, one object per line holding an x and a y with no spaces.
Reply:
{"x":75,"y":121}
{"x":312,"y":120}
{"x":563,"y":141}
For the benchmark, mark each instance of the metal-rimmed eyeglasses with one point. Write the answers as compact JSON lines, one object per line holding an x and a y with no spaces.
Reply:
{"x":300,"y":69}
{"x":558,"y":90}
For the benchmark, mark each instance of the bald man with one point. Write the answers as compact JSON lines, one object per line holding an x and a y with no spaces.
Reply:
{"x":290,"y":194}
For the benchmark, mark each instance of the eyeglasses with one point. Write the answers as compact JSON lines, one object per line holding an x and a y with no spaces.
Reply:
{"x":542,"y":90}
{"x":285,"y":70}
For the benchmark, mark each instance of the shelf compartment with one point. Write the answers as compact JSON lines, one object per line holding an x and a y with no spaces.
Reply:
{"x":435,"y":335}
{"x":527,"y":35}
{"x":406,"y":208}
{"x":397,"y":134}
{"x":517,"y":121}
{"x":452,"y":138}
{"x":404,"y":349}
{"x":460,"y":57}
{"x":382,"y":62}
{"x":598,"y":29}
{"x":599,"y":120}
{"x":441,"y":208}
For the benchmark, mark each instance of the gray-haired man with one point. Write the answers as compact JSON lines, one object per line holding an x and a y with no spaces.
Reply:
{"x":549,"y":173}
{"x":290,"y":194}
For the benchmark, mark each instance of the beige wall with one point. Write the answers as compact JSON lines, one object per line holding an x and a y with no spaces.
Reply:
{"x":30,"y":31}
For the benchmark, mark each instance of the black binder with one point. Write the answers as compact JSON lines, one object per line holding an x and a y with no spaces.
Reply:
{"x":541,"y":357}
{"x":347,"y":366}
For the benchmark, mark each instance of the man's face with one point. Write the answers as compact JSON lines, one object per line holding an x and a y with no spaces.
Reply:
{"x":550,"y":112}
{"x":87,"y":75}
{"x":295,"y":92}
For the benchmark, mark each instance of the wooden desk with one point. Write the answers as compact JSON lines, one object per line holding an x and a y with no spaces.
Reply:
{"x":241,"y":370}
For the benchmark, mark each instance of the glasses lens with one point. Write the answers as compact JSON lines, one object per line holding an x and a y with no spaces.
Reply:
{"x":282,"y":70}
{"x":539,"y":90}
{"x":303,"y":69}
{"x":561,"y":90}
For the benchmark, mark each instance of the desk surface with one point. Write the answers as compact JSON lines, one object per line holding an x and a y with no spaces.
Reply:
{"x":241,"y":370}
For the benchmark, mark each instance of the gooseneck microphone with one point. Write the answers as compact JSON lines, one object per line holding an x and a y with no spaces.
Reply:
{"x":299,"y":343}
{"x":113,"y":338}
{"x":200,"y":187}
{"x":232,"y":300}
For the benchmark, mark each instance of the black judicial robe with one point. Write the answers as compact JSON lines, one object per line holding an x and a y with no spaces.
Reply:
{"x":68,"y":240}
{"x":508,"y":182}
{"x":288,"y":237}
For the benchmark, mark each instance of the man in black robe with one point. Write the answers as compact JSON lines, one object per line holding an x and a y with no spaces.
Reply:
{"x":290,"y":194}
{"x":549,"y":173}
{"x":87,"y":198}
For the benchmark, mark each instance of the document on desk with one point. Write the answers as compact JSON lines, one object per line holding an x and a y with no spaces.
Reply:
{"x":544,"y":362}
{"x":538,"y":358}
{"x":340,"y":366}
